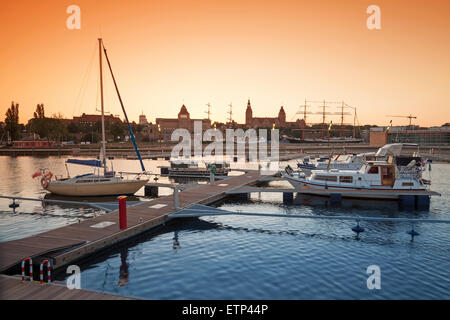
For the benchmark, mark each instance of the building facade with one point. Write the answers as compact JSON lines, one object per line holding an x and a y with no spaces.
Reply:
{"x":268,"y":122}
{"x":143,"y":120}
{"x":26,"y":143}
{"x":435,"y":136}
{"x":88,"y":119}
{"x":183,"y":121}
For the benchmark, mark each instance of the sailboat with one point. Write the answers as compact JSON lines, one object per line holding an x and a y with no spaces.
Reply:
{"x":96,"y":184}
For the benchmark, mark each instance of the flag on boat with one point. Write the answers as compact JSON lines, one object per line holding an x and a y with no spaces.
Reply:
{"x":36,"y":174}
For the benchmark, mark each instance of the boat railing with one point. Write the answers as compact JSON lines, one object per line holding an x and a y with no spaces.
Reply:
{"x":137,"y":175}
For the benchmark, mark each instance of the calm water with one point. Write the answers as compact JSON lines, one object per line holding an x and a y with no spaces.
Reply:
{"x":254,"y":257}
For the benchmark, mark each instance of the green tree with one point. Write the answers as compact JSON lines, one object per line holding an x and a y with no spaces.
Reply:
{"x":73,"y":127}
{"x":12,"y":121}
{"x":57,"y":127}
{"x":93,"y":137}
{"x":117,"y":130}
{"x":40,"y":124}
{"x":40,"y":112}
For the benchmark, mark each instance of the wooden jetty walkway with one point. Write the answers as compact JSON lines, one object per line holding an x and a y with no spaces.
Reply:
{"x":69,"y":243}
{"x":12,"y":288}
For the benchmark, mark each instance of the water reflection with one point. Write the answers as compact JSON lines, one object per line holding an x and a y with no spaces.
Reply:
{"x":387,"y":206}
{"x":176,"y":243}
{"x":123,"y":271}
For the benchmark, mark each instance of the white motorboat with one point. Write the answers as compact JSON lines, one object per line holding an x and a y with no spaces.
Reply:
{"x":351,"y":161}
{"x":341,"y":162}
{"x":375,"y":179}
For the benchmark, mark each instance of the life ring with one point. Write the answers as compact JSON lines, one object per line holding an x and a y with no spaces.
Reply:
{"x":48,"y":175}
{"x":44,"y":182}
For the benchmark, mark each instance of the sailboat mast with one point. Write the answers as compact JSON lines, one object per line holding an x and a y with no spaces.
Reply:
{"x":102,"y":106}
{"x":124,"y":112}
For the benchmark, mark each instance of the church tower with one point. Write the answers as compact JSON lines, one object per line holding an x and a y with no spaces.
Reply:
{"x":184,"y":118}
{"x":282,"y":117}
{"x":248,"y":114}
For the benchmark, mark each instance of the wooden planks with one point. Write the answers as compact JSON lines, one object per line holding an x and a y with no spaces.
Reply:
{"x":14,"y":251}
{"x":81,"y":239}
{"x":12,"y":288}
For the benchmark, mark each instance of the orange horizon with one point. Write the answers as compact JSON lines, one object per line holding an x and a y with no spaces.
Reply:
{"x":168,"y":53}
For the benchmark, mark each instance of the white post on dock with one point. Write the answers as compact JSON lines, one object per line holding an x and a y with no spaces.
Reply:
{"x":212,"y":173}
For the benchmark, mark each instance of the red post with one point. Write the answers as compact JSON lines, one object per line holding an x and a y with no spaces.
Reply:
{"x":123,"y":212}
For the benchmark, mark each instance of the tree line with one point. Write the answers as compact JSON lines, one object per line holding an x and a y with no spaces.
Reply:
{"x":59,"y":129}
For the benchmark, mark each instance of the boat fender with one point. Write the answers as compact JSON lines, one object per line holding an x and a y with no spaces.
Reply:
{"x":44,"y":183}
{"x":46,"y":179}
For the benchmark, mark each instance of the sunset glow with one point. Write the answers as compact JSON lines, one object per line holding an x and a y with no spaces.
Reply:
{"x":168,"y":53}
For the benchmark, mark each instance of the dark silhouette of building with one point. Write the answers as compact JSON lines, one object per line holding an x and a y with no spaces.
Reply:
{"x":93,"y":118}
{"x":168,"y":125}
{"x":265,"y":122}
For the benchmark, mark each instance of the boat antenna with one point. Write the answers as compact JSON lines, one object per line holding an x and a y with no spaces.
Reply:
{"x":124,"y":112}
{"x":102,"y":107}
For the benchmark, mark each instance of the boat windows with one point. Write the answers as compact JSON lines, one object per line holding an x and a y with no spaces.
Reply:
{"x":325,"y":178}
{"x":407,"y":184}
{"x":386,"y":172}
{"x":92,"y":180}
{"x":373,"y":170}
{"x":346,"y":179}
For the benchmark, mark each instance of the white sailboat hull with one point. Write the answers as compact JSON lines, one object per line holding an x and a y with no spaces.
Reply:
{"x":90,"y":189}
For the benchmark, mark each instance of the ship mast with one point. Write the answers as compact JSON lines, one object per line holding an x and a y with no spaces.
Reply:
{"x":130,"y":130}
{"x":102,"y":107}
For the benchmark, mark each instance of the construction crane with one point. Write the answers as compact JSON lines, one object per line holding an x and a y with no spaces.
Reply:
{"x":410,"y":117}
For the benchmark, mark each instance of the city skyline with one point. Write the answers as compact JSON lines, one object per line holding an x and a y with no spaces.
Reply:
{"x":277,"y":53}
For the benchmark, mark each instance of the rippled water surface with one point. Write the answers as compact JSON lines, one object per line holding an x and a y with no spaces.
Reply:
{"x":237,"y":257}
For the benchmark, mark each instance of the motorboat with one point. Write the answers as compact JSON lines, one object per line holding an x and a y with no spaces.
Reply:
{"x":193,"y":169}
{"x":379,"y":179}
{"x":352,"y":161}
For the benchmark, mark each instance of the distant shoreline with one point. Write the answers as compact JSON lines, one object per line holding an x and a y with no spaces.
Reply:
{"x":442,"y":153}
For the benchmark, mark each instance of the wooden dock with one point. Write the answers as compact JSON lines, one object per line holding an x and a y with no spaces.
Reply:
{"x":12,"y":288}
{"x":67,"y":244}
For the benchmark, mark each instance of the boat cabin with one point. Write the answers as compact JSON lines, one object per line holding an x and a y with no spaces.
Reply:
{"x":373,"y":174}
{"x":380,"y":173}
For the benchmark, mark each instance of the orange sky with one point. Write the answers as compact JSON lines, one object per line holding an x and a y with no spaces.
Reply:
{"x":165,"y":53}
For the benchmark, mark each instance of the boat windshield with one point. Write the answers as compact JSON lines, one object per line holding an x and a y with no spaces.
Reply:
{"x":373,"y":170}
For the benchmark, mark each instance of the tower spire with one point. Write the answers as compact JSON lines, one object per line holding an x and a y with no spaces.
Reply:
{"x":209,"y":111}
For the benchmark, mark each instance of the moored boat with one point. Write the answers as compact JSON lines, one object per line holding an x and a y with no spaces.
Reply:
{"x":388,"y":179}
{"x":193,"y":169}
{"x":96,"y":184}
{"x":91,"y":184}
{"x":355,"y":161}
